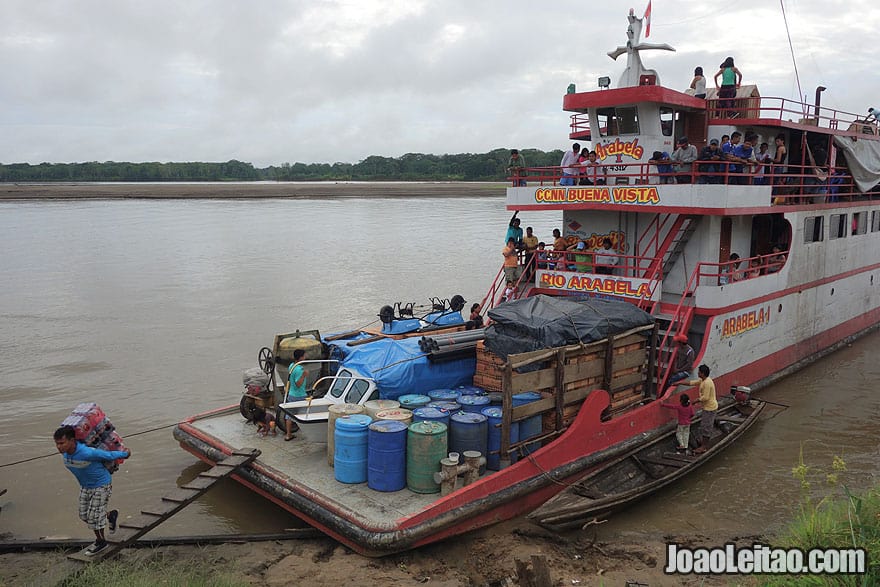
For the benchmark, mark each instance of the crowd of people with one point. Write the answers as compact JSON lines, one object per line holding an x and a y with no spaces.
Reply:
{"x":733,"y":270}
{"x":525,"y":252}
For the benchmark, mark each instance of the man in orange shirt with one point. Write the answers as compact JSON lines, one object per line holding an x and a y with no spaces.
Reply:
{"x":512,"y":269}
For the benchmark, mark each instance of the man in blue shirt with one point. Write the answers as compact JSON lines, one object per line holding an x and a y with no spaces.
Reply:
{"x":87,"y":465}
{"x":743,"y":154}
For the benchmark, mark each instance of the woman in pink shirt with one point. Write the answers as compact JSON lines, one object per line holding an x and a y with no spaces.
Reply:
{"x":685,"y":412}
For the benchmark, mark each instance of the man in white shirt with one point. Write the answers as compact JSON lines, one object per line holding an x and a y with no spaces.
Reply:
{"x":682,"y":159}
{"x":569,"y":161}
{"x":606,"y":258}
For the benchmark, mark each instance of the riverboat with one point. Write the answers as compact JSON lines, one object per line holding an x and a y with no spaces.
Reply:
{"x":802,"y":283}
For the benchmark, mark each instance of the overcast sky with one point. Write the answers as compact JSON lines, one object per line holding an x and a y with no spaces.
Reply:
{"x":278,"y":81}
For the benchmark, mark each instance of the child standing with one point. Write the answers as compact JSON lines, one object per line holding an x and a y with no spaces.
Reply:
{"x":685,"y":412}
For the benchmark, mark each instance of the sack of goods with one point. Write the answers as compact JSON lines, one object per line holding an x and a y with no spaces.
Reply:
{"x":255,"y":381}
{"x":92,"y":427}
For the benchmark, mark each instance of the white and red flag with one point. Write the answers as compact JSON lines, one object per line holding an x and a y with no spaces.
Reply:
{"x":647,"y":18}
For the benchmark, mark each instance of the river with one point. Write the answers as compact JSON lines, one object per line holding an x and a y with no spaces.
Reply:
{"x":153,"y":308}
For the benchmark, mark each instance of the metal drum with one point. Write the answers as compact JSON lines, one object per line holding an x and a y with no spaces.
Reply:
{"x":450,"y":407}
{"x":350,"y":454}
{"x":336,"y":411}
{"x":531,"y":426}
{"x":425,"y":446}
{"x":493,"y":458}
{"x":386,"y":455}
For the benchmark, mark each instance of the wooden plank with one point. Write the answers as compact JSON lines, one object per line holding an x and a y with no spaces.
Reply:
{"x":182,"y":495}
{"x":199,"y":483}
{"x":541,"y":379}
{"x":609,"y":363}
{"x":506,"y":413}
{"x":652,"y":356}
{"x":663,"y":462}
{"x":624,"y":381}
{"x":629,"y":360}
{"x":560,"y":387}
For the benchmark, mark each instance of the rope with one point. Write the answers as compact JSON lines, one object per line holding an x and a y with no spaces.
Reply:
{"x":793,"y":62}
{"x":55,"y":453}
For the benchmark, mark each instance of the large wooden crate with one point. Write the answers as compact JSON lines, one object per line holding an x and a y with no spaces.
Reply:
{"x":622,"y":365}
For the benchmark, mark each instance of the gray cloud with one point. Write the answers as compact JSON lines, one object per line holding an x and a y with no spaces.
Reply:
{"x":337,"y":80}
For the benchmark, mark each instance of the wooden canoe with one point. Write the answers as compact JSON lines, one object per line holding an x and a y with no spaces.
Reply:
{"x":640,"y":472}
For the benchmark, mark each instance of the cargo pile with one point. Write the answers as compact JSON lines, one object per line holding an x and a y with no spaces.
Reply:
{"x":92,"y":427}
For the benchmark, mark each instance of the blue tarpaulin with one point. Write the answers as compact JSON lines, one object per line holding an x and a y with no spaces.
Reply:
{"x":399,"y":366}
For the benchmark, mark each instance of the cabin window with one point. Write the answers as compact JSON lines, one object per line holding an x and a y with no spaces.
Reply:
{"x":358,"y":389}
{"x":340,"y":383}
{"x":837,"y":226}
{"x":618,"y":121}
{"x":666,"y":121}
{"x":813,"y":229}
{"x":875,"y":221}
{"x":860,"y":223}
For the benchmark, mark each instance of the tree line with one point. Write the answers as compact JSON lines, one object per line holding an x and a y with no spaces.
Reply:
{"x":491,"y":166}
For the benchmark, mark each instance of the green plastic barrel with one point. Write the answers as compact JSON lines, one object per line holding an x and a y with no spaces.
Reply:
{"x":425,"y":446}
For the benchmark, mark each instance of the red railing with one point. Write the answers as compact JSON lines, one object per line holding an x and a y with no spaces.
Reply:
{"x":771,"y":108}
{"x":791,"y":184}
{"x":741,"y":269}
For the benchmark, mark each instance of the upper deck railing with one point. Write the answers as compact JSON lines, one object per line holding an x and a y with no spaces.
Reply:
{"x":789,"y":184}
{"x":768,"y":110}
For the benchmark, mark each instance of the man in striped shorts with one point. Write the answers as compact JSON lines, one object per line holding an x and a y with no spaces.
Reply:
{"x":87,"y":465}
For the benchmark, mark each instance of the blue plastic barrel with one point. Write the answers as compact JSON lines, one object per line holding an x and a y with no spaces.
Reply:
{"x":470,"y":390}
{"x":443,"y":395}
{"x":531,"y":426}
{"x":494,"y":416}
{"x":451,"y":407}
{"x":350,"y":448}
{"x":412,"y":401}
{"x":468,"y":431}
{"x":386,"y":457}
{"x":427,"y":414}
{"x":474,"y":403}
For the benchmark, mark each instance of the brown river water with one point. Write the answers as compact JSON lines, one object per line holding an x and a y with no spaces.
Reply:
{"x":153,"y":308}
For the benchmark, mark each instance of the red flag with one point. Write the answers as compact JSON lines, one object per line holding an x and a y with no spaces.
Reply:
{"x":647,"y":18}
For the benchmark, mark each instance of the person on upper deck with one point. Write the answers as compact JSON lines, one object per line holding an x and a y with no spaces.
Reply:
{"x":698,"y":84}
{"x":775,"y":263}
{"x":664,"y":166}
{"x":728,"y":148}
{"x":606,"y":258}
{"x":875,"y":112}
{"x":764,"y":160}
{"x":530,"y":244}
{"x":516,"y":166}
{"x":744,"y":156}
{"x":730,"y":80}
{"x":569,"y":165}
{"x":583,"y":259}
{"x":582,"y":160}
{"x":594,"y":172}
{"x":683,"y":158}
{"x":711,"y":157}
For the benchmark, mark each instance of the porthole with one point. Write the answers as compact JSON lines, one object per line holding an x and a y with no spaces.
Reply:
{"x":832,"y":291}
{"x":779,"y":309}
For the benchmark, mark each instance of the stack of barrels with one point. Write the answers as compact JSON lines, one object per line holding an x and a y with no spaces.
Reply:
{"x":397,"y":444}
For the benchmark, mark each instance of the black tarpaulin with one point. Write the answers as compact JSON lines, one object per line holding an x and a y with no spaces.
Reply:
{"x":541,"y":322}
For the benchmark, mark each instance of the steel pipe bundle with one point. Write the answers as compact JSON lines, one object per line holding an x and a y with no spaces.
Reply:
{"x":436,"y":343}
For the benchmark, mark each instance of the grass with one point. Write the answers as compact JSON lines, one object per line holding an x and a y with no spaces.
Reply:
{"x":839,"y":519}
{"x":154,"y":571}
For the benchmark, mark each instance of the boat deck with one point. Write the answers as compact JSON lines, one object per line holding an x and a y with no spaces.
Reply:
{"x":304,"y":462}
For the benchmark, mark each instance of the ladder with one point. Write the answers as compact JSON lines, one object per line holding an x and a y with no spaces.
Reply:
{"x":170,"y":504}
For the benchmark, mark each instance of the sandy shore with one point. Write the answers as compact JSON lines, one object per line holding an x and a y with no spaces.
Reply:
{"x":485,"y":557}
{"x":112,"y":191}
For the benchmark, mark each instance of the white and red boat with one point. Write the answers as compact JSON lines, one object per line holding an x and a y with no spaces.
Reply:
{"x":752,"y":320}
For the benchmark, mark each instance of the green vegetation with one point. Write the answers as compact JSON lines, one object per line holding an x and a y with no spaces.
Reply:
{"x":491,"y":166}
{"x":837,"y":520}
{"x":157,"y":570}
